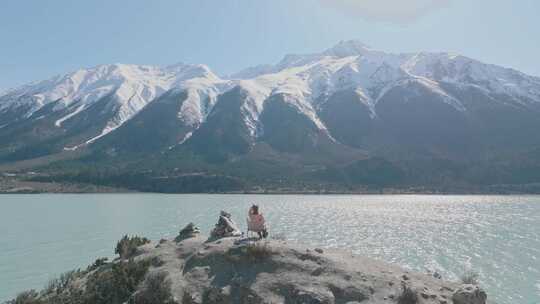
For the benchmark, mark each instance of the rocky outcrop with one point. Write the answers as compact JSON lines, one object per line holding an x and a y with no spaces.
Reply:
{"x":230,"y":270}
{"x":187,"y":232}
{"x":193,"y":269}
{"x":469,"y":294}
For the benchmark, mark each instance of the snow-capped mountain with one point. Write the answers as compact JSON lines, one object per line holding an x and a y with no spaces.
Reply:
{"x":119,"y":91}
{"x":353,"y":65}
{"x":349,"y":96}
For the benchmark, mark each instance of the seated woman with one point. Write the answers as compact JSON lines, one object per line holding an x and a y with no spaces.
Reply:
{"x":256,"y":222}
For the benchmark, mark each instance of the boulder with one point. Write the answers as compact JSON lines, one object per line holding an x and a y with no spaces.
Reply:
{"x":469,"y":294}
{"x":187,"y":232}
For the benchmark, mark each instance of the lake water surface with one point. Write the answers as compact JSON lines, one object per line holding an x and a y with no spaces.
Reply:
{"x":496,"y":236}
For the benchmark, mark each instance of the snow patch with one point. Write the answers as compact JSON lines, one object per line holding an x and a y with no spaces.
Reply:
{"x":257,"y":92}
{"x":435,"y":88}
{"x":202,"y":95}
{"x":59,"y":122}
{"x":188,"y":136}
{"x":74,"y":148}
{"x":108,"y":129}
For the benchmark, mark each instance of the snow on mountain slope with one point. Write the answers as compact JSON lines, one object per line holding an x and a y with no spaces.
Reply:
{"x":306,"y":82}
{"x":202,"y":95}
{"x":372,"y":73}
{"x":257,"y":92}
{"x":299,"y":84}
{"x":132,"y":86}
{"x":457,"y":69}
{"x":309,"y":80}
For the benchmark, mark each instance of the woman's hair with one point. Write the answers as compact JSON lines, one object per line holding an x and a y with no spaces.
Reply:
{"x":255,"y":209}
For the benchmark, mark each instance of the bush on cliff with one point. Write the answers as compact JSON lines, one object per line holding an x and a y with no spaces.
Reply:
{"x":258,"y":251}
{"x":116,"y":285}
{"x":97,"y":264}
{"x":26,"y":297}
{"x":127,"y":246}
{"x":60,"y":284}
{"x":156,"y":289}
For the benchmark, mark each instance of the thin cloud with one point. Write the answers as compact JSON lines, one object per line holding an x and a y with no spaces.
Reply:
{"x":391,"y":11}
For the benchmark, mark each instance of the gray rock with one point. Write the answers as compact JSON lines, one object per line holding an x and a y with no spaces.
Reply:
{"x":187,"y":232}
{"x":469,"y":294}
{"x":312,"y":296}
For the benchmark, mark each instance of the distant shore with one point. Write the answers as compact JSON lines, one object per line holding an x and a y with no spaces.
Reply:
{"x":67,"y":188}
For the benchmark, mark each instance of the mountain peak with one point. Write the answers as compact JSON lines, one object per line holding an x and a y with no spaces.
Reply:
{"x":347,"y":48}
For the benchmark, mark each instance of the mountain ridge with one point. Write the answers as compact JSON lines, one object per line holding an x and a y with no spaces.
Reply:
{"x":324,"y":110}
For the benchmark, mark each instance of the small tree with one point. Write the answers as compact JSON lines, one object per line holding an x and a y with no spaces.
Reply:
{"x":116,"y":285}
{"x":127,"y":246}
{"x":97,"y":263}
{"x":156,"y":289}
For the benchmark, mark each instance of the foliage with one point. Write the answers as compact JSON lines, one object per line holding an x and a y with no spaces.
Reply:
{"x":156,"y":290}
{"x":258,"y":251}
{"x":407,"y":296}
{"x":163,"y":182}
{"x":97,"y":263}
{"x":115,"y":286}
{"x":58,"y":285}
{"x":109,"y":285}
{"x":127,"y":246}
{"x":70,"y":295}
{"x":26,"y":297}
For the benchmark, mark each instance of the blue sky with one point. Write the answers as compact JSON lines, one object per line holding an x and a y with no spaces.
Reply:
{"x":39,"y":39}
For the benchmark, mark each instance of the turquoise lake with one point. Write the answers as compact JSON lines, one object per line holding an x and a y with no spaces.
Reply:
{"x":496,"y":236}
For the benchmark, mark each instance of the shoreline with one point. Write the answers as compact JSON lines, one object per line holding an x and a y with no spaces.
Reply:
{"x":310,"y":193}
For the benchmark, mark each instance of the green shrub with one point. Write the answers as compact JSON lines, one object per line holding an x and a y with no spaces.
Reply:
{"x":97,"y":263}
{"x":156,"y":290}
{"x":115,"y":286}
{"x":258,"y":251}
{"x":407,"y":296}
{"x":26,"y":297}
{"x":107,"y":285}
{"x":469,"y":277}
{"x":70,"y":295}
{"x":127,"y":246}
{"x":101,"y":288}
{"x":58,"y":285}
